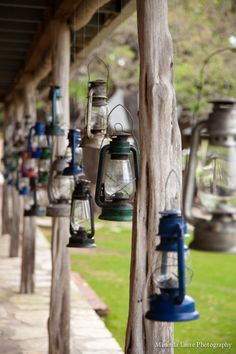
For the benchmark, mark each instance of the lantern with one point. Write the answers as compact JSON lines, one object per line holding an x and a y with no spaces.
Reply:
{"x":60,"y":189}
{"x":74,"y":150}
{"x":97,"y":111}
{"x":55,"y":127}
{"x":18,"y":139}
{"x":44,"y":165}
{"x":211,"y":180}
{"x":24,"y":186}
{"x":117,"y":178}
{"x":37,"y":200}
{"x":81,"y":217}
{"x":37,"y":141}
{"x":29,"y":165}
{"x":170,"y":302}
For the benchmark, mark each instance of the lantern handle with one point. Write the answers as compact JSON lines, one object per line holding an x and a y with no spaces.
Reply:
{"x":91,"y":234}
{"x":181,"y":265}
{"x":129,"y":116}
{"x":172,"y":171}
{"x":189,"y":184}
{"x":89,"y":113}
{"x":99,"y":186}
{"x":96,"y":57}
{"x":29,"y":140}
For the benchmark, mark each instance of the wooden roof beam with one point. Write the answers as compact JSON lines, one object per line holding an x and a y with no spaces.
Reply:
{"x":28,"y":4}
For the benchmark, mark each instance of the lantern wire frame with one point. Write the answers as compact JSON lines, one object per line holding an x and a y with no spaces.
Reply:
{"x":98,"y":59}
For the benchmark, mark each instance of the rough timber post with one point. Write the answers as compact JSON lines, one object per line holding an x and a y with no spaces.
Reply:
{"x":16,"y":200}
{"x":59,"y":316}
{"x":160,"y":173}
{"x":7,"y":195}
{"x":29,"y":228}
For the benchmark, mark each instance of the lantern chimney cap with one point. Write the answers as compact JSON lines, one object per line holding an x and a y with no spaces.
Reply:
{"x":223,"y":101}
{"x":170,"y":212}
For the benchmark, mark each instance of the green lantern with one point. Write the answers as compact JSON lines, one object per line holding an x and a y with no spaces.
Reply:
{"x":117,"y":178}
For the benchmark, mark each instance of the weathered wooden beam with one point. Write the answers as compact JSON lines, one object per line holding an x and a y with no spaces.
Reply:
{"x":84,"y":12}
{"x":27,"y":284}
{"x":14,"y":37}
{"x":7,"y":195}
{"x":105,"y":32}
{"x":14,"y":27}
{"x":78,"y":12}
{"x":24,"y":15}
{"x":31,"y":4}
{"x":16,"y":199}
{"x":159,"y":185}
{"x":59,"y":315}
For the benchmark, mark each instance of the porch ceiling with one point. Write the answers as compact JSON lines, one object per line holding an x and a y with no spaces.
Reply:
{"x":26,"y":29}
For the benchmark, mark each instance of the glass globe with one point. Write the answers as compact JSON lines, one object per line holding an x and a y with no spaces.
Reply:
{"x":216,"y":179}
{"x":119,"y":178}
{"x":62,"y":187}
{"x":80,"y":215}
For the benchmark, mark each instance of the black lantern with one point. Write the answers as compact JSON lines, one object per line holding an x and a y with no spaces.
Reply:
{"x":73,"y":154}
{"x":211,"y":180}
{"x":117,"y":178}
{"x":81,"y":217}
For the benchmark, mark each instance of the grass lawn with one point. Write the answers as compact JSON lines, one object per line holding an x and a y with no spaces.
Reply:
{"x":106,"y":269}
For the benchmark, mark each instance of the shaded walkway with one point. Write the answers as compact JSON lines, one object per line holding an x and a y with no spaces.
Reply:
{"x":23,"y":318}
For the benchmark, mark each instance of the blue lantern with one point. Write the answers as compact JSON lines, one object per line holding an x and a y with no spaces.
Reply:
{"x":37,"y":140}
{"x":55,"y":126}
{"x":171,"y":304}
{"x":73,"y":154}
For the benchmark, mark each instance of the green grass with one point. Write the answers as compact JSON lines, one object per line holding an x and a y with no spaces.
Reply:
{"x":106,"y":269}
{"x":213,"y":287}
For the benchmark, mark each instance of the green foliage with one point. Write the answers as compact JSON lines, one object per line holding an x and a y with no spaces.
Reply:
{"x":198,"y":29}
{"x":78,"y":89}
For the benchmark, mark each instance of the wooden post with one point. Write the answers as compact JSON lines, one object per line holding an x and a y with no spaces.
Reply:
{"x":6,"y":210}
{"x":159,"y":185}
{"x":7,"y":195}
{"x":16,"y":199}
{"x":29,"y":227}
{"x":59,"y":316}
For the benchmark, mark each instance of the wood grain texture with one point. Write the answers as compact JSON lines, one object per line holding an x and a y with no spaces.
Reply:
{"x":16,"y":200}
{"x":6,"y":209}
{"x":27,"y":284}
{"x":59,"y":315}
{"x":159,"y":184}
{"x":15,"y":229}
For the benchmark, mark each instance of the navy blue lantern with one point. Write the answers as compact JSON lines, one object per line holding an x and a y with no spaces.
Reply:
{"x":24,"y":186}
{"x":73,"y":154}
{"x":38,"y":141}
{"x":170,"y":303}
